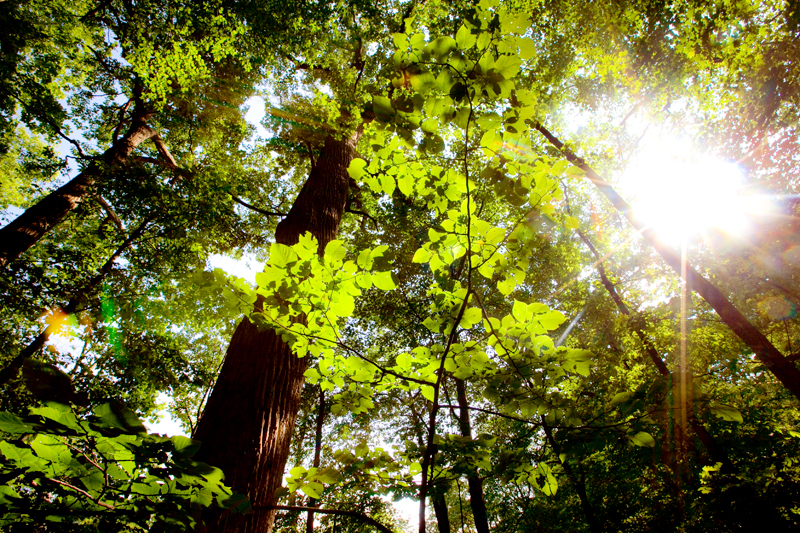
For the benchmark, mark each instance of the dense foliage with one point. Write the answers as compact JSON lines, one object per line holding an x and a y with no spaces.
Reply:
{"x":487,"y":336}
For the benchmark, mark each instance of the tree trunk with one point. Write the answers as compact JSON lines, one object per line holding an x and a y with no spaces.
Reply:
{"x":26,"y":230}
{"x":247,"y":424}
{"x":474,"y":482}
{"x":313,"y":502}
{"x":714,"y":449}
{"x":440,"y":510}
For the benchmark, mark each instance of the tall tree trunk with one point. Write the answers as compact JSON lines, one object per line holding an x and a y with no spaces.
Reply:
{"x":248,"y":422}
{"x":474,"y":482}
{"x":26,"y":230}
{"x":781,"y":367}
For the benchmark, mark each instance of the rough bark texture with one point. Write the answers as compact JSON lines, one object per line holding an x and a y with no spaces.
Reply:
{"x":474,"y":482}
{"x":25,"y":230}
{"x":247,"y":424}
{"x":781,"y":367}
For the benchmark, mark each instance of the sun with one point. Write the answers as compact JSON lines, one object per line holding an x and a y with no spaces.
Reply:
{"x":681,"y":193}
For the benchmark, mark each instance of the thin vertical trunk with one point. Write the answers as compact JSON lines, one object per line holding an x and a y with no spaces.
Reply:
{"x":26,"y":230}
{"x":781,"y":367}
{"x":577,"y":483}
{"x":474,"y":482}
{"x":317,"y":456}
{"x":440,"y":510}
{"x":248,"y":422}
{"x":714,"y":449}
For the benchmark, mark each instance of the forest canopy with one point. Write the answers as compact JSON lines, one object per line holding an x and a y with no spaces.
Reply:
{"x":530,"y":265}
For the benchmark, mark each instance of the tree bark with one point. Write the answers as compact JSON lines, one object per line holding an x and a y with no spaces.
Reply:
{"x":440,"y":510}
{"x":781,"y":367}
{"x":474,"y":482}
{"x":248,"y":422}
{"x":26,"y":230}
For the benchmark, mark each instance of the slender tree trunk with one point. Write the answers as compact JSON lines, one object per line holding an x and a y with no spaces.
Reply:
{"x":474,"y":482}
{"x":26,"y":230}
{"x":781,"y":367}
{"x":313,"y":502}
{"x":440,"y":510}
{"x":578,"y":483}
{"x":248,"y":422}
{"x":716,"y":451}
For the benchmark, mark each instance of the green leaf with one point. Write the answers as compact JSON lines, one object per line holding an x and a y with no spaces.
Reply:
{"x":281,"y":255}
{"x":549,"y":483}
{"x":619,"y":398}
{"x":421,"y":256}
{"x":472,"y":316}
{"x":400,"y":40}
{"x":520,"y":311}
{"x":335,"y":251}
{"x":312,"y":489}
{"x":441,"y":46}
{"x":11,"y":423}
{"x":385,"y":281}
{"x":465,"y":39}
{"x":94,"y":482}
{"x":427,"y":392}
{"x":116,"y":416}
{"x":642,"y":439}
{"x":184,"y":446}
{"x":406,"y":185}
{"x":725,"y":412}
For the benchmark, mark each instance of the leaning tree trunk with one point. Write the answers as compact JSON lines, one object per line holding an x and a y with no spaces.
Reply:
{"x":26,"y":230}
{"x":247,"y":424}
{"x":781,"y":367}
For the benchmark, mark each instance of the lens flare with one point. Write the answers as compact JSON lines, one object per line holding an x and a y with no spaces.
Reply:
{"x":681,"y":193}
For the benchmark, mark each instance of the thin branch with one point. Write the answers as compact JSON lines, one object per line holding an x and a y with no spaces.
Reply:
{"x":311,"y":154}
{"x":121,"y":120}
{"x":336,"y":512}
{"x":73,"y":487}
{"x":256,"y":209}
{"x":111,"y":213}
{"x":495,"y":413}
{"x":363,"y":214}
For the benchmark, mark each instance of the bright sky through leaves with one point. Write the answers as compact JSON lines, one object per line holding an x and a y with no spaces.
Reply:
{"x":681,"y":192}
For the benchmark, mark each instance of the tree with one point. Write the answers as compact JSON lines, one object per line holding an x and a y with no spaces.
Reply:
{"x":457,"y":318}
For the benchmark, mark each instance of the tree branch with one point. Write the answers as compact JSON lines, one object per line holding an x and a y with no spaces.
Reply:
{"x":111,"y":213}
{"x":164,"y":151}
{"x":73,"y":487}
{"x":256,"y":209}
{"x":781,"y":367}
{"x":336,"y":512}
